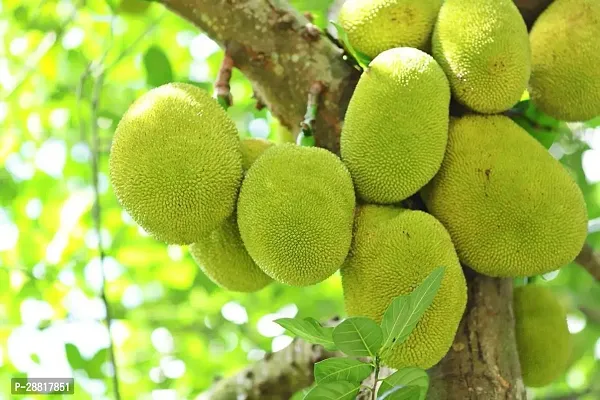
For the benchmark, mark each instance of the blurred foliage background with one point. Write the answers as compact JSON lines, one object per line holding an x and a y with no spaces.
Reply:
{"x":68,"y":70}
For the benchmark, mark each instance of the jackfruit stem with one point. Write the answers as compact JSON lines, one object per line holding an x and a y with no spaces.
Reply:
{"x":312,"y":108}
{"x":222,"y":85}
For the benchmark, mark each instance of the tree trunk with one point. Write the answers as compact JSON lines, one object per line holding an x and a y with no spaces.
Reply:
{"x":283,"y":54}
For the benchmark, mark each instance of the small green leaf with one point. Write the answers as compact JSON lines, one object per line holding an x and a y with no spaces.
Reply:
{"x":342,"y":369}
{"x":404,"y":312}
{"x":35,"y":358}
{"x":412,"y":377}
{"x":401,"y":393}
{"x":358,"y":336}
{"x":362,"y":59}
{"x":340,"y":390}
{"x":158,"y":68}
{"x":310,"y":330}
{"x":74,"y":357}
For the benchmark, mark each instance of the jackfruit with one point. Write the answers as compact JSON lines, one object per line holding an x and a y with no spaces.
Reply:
{"x":374,"y":26}
{"x":565,"y":45}
{"x":175,"y":163}
{"x":396,"y":127}
{"x":543,"y":339}
{"x":510,"y":207}
{"x":221,"y":255}
{"x":393,"y":250}
{"x":483,"y":47}
{"x":252,"y":148}
{"x":223,"y":258}
{"x":295,"y":213}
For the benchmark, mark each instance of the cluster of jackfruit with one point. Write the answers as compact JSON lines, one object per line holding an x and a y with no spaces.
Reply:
{"x":496,"y":200}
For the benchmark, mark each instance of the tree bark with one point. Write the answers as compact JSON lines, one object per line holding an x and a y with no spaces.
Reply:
{"x":283,"y":54}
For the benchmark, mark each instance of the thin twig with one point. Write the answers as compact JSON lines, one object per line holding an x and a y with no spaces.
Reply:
{"x":222,"y":84}
{"x":590,"y":260}
{"x":97,"y":216}
{"x":312,"y":107}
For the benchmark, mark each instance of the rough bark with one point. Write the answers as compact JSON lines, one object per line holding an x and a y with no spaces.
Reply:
{"x":283,"y":54}
{"x":482,"y":362}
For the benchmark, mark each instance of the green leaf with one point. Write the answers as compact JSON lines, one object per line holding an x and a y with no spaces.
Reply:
{"x":340,"y":390}
{"x":158,"y":68}
{"x":342,"y":369}
{"x":362,"y":59}
{"x":401,"y":393}
{"x":412,"y":377}
{"x":310,"y":330}
{"x":358,"y":336}
{"x":74,"y":357}
{"x":404,"y":312}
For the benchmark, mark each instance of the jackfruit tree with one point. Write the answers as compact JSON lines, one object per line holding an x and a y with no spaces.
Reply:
{"x":305,"y":199}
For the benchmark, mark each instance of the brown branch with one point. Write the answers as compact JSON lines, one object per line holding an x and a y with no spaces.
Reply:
{"x":590,"y":260}
{"x":276,"y":48}
{"x":483,"y":360}
{"x":222,"y":84}
{"x":312,"y":107}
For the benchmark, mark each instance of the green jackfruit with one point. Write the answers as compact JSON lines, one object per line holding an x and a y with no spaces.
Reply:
{"x":510,"y":207}
{"x":565,"y":46}
{"x":543,"y":338}
{"x":392,"y":252}
{"x":224,"y":259}
{"x":483,"y":47}
{"x":175,"y":163}
{"x":252,"y":148}
{"x":396,"y":127}
{"x":221,"y":255}
{"x":295,"y":213}
{"x":374,"y":26}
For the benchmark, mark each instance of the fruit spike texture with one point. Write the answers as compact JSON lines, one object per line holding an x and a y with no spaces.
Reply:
{"x":483,"y":47}
{"x":393,"y":251}
{"x":223,"y":258}
{"x":565,"y":45}
{"x":543,"y":339}
{"x":374,"y":26}
{"x":175,"y":163}
{"x":295,"y":213}
{"x":221,"y":254}
{"x":396,"y":127}
{"x":510,"y":207}
{"x":252,"y":148}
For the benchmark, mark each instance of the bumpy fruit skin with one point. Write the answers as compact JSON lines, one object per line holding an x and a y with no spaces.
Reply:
{"x":565,"y":78}
{"x":221,"y":254}
{"x":543,"y":338}
{"x":223,"y":258}
{"x":396,"y":127}
{"x":374,"y":26}
{"x":510,"y":207}
{"x":393,"y":250}
{"x":483,"y":47}
{"x":252,"y":148}
{"x":175,"y":163}
{"x":295,"y":213}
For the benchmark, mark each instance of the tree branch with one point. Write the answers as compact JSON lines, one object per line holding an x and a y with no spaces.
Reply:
{"x":483,"y":361}
{"x":278,"y":376}
{"x":276,"y":48}
{"x":590,"y":260}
